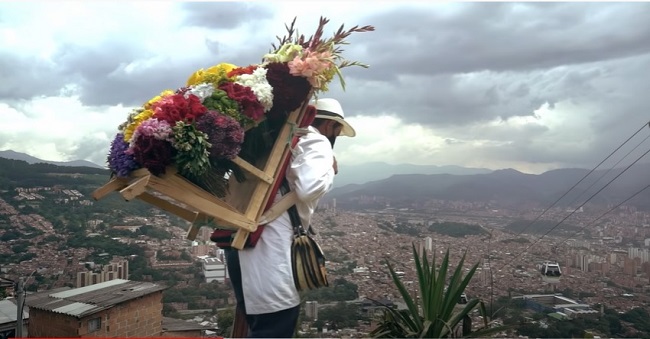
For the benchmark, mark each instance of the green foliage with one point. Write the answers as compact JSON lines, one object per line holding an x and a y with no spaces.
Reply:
{"x":104,"y":244}
{"x":154,"y":232}
{"x":341,"y":315}
{"x":192,"y":149}
{"x":225,"y":320}
{"x":456,"y":229}
{"x":434,"y":313}
{"x":339,"y":290}
{"x":639,"y":317}
{"x":193,"y":293}
{"x":400,"y":227}
{"x":540,"y":227}
{"x":20,"y":173}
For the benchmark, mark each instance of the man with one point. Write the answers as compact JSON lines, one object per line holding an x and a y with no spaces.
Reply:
{"x":262,"y":276}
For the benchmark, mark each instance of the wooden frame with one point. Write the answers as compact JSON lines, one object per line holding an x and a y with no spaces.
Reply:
{"x":241,"y":209}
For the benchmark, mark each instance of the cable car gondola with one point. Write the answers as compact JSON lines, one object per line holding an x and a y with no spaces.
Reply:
{"x":550,"y":272}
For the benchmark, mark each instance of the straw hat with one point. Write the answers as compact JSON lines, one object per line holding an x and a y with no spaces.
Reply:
{"x":327,"y":108}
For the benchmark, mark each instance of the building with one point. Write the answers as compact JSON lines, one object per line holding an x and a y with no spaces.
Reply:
{"x":428,"y":244}
{"x":311,"y":309}
{"x":556,"y":303}
{"x":114,"y":270}
{"x":177,"y":328}
{"x":8,"y":315}
{"x":214,"y":269}
{"x":115,"y":308}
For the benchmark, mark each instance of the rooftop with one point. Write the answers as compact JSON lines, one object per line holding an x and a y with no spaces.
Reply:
{"x":83,"y":301}
{"x":9,"y":311}
{"x":178,"y":325}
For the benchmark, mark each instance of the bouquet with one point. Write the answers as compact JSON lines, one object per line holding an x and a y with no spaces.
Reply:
{"x":228,"y":111}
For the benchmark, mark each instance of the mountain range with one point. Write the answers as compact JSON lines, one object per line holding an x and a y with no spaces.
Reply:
{"x":357,"y":174}
{"x":405,"y":184}
{"x":506,"y":187}
{"x":13,"y":155}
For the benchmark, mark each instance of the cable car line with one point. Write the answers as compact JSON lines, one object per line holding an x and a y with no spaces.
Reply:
{"x":586,"y":175}
{"x":609,"y":170}
{"x":577,"y":208}
{"x":607,"y":212}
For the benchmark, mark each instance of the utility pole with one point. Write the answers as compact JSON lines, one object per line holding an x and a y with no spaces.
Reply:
{"x":20,"y":303}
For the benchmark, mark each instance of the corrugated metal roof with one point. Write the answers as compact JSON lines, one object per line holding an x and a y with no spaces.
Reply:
{"x":9,"y":312}
{"x":89,"y":288}
{"x":75,"y":308}
{"x":83,"y":301}
{"x":178,"y":325}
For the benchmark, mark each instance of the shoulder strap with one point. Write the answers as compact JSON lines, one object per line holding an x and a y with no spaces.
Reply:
{"x":293,"y":211}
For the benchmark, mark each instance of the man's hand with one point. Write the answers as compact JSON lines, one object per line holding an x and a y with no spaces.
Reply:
{"x":335,"y":166}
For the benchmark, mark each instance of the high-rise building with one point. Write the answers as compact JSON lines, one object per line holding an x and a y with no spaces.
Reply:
{"x":214,"y":269}
{"x":629,"y":266}
{"x":311,"y":309}
{"x":114,"y":270}
{"x":428,"y":244}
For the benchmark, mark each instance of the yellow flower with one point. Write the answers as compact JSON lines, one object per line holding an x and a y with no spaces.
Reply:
{"x":158,"y":97}
{"x":137,"y":120}
{"x":215,"y":74}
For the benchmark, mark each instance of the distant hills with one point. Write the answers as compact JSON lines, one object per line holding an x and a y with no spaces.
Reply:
{"x":505,"y":187}
{"x":403,"y":185}
{"x":363,"y":173}
{"x":13,"y":155}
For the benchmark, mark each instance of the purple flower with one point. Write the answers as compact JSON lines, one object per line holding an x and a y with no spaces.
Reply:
{"x":224,"y":134}
{"x":118,"y":160}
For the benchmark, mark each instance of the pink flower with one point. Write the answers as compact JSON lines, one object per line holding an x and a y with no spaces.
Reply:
{"x":312,"y":66}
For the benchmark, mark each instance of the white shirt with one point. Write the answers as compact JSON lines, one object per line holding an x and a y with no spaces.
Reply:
{"x":267,"y":278}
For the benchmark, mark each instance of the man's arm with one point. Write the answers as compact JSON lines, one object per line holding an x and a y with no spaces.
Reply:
{"x":311,"y":170}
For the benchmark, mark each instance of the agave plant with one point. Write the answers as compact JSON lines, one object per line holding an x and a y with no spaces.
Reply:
{"x":436,"y":314}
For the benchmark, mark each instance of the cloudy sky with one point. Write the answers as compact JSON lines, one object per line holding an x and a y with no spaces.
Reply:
{"x":530,"y":86}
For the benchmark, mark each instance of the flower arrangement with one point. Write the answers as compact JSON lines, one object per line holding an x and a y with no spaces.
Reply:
{"x":226,"y":111}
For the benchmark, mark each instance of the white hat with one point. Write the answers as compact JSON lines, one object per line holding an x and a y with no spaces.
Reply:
{"x":327,"y":108}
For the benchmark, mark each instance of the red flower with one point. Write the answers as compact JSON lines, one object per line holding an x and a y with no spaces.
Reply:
{"x":242,"y":70}
{"x":288,"y":91}
{"x":247,"y":100}
{"x":153,"y":154}
{"x":176,"y":107}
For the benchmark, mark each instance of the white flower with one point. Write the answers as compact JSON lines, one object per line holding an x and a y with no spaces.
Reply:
{"x":259,"y":85}
{"x":286,"y":53}
{"x":201,"y":90}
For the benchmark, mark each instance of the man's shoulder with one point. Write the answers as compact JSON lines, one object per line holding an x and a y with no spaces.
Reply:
{"x":312,"y":135}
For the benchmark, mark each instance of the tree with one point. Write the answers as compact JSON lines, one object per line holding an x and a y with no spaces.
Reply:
{"x":225,"y":319}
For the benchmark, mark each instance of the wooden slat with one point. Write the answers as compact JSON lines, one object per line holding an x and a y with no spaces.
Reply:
{"x":260,"y":194}
{"x":168,"y":206}
{"x":279,"y":207}
{"x":239,"y":240}
{"x":111,"y":186}
{"x":253,"y":170}
{"x":212,"y":207}
{"x":177,"y":180}
{"x":135,"y":188}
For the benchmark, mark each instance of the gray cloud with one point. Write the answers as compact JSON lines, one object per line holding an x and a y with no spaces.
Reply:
{"x":224,"y":15}
{"x":503,"y":36}
{"x":440,"y":100}
{"x":23,"y":77}
{"x":453,"y":70}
